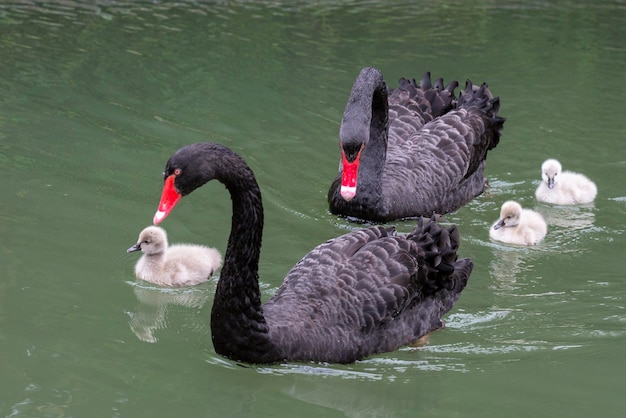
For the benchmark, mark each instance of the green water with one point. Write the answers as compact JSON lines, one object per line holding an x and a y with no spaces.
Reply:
{"x":95,"y":96}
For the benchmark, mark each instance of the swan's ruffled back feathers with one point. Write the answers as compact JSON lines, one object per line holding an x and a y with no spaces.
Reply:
{"x":367,"y":281}
{"x":472,"y":128}
{"x":412,"y":106}
{"x":446,"y":155}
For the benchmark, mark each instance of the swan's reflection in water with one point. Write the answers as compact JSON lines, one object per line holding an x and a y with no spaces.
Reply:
{"x":155,"y":303}
{"x":349,"y":400}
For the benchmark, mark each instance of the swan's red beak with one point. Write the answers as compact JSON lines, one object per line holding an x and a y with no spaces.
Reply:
{"x":349,"y":175}
{"x":169,"y":198}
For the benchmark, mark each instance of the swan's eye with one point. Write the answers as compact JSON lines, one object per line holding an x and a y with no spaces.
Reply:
{"x":177,"y":172}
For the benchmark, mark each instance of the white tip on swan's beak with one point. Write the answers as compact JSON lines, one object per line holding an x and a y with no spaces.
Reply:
{"x":348,"y":193}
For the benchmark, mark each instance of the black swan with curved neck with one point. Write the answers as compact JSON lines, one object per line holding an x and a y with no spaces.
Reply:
{"x":365,"y":292}
{"x":412,"y":151}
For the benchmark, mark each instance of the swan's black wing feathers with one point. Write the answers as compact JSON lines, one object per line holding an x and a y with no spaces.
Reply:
{"x":367,"y":291}
{"x":483,"y":118}
{"x":411,"y":106}
{"x":439,"y":167}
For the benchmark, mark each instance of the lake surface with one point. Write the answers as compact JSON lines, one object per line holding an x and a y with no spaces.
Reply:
{"x":95,"y":96}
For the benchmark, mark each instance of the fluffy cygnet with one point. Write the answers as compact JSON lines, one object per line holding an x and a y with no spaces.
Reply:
{"x":564,"y":187}
{"x":178,"y":265}
{"x":518,"y":226}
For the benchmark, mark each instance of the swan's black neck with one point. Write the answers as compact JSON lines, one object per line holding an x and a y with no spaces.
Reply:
{"x":239,"y":330}
{"x":238,"y":327}
{"x":366,"y":123}
{"x":375,"y":151}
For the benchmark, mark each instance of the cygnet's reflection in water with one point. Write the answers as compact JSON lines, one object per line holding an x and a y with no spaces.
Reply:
{"x":509,"y":263}
{"x":155,"y":303}
{"x":569,"y":217}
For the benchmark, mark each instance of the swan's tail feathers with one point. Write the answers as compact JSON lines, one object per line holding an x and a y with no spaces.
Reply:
{"x":451,"y":87}
{"x":440,"y":273}
{"x":443,"y":99}
{"x":480,"y":99}
{"x":426,"y":84}
{"x":497,"y":122}
{"x":455,"y":285}
{"x":431,"y":100}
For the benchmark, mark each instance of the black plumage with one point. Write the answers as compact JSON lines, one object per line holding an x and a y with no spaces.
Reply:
{"x":422,"y":149}
{"x":365,"y":292}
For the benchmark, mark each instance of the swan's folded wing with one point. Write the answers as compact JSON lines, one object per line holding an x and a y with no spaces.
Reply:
{"x":449,"y":148}
{"x":411,"y":106}
{"x":482,"y":119}
{"x":363,"y":278}
{"x":368,"y":291}
{"x":385,"y":275}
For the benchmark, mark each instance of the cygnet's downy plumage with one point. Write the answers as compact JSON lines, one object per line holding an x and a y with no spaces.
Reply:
{"x":564,"y":187}
{"x":178,"y":265}
{"x":518,"y":226}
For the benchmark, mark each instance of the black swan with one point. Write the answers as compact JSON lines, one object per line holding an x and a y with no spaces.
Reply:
{"x":365,"y":292}
{"x":412,"y":151}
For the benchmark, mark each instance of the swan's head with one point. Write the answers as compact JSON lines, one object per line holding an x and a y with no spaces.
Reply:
{"x":365,"y":120}
{"x":510,"y":213}
{"x":189,"y":168}
{"x":152,"y":240}
{"x":550,"y":169}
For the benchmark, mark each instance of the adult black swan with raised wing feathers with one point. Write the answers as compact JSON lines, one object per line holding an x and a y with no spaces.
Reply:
{"x":411,"y":151}
{"x":365,"y":292}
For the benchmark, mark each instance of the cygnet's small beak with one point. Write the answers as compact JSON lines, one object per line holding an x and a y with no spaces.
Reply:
{"x":136,"y":247}
{"x":498,"y":224}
